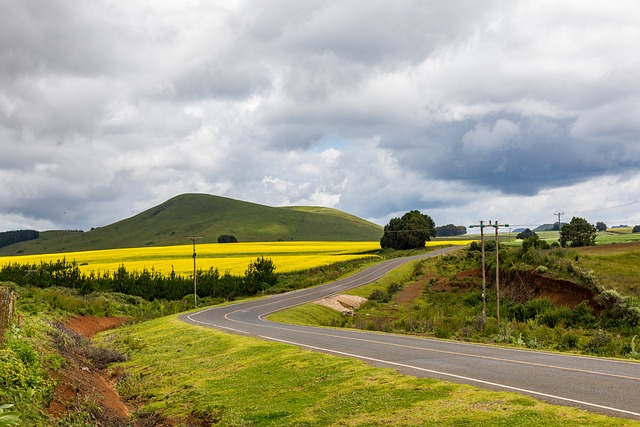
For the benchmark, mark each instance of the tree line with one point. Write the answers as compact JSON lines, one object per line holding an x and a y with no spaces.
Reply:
{"x":148,"y":284}
{"x":10,"y":237}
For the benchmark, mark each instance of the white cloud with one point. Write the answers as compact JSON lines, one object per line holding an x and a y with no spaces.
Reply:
{"x":491,"y":137}
{"x":109,"y":108}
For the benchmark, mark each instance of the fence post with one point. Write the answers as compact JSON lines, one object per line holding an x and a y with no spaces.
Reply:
{"x":7,"y":308}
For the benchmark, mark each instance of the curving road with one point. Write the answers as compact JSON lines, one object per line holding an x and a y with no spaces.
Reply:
{"x":607,"y":386}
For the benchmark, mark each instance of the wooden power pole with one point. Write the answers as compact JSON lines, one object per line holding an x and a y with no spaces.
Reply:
{"x":497,"y":225}
{"x":195,"y":276}
{"x":484,"y":275}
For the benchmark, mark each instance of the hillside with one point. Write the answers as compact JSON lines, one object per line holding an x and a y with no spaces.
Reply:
{"x":208,"y":216}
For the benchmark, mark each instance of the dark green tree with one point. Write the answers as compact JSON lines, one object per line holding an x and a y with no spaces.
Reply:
{"x":227,"y":238}
{"x":411,"y":231}
{"x":534,"y":242}
{"x":450,"y":230}
{"x":11,"y":237}
{"x":260,"y":275}
{"x":577,"y":233}
{"x":526,"y":234}
{"x":636,"y":229}
{"x":601,"y":226}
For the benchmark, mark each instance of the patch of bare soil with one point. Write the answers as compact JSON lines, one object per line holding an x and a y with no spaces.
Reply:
{"x":410,"y":292}
{"x":88,"y":326}
{"x":463,"y":280}
{"x":517,"y":286}
{"x":345,"y":304}
{"x":524,"y":286}
{"x":80,"y":385}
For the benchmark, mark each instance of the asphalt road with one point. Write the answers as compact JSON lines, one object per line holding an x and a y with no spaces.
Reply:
{"x":601,"y":385}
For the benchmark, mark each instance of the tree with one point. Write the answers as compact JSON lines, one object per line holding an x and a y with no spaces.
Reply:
{"x":227,"y":238}
{"x":526,"y":234}
{"x":260,"y":275}
{"x":534,"y":242}
{"x":450,"y":230}
{"x":601,"y":226}
{"x":411,"y":231}
{"x":10,"y":237}
{"x":577,"y":233}
{"x":636,"y":229}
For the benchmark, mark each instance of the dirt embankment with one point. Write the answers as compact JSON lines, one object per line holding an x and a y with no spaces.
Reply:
{"x":523,"y":286}
{"x":79,"y":384}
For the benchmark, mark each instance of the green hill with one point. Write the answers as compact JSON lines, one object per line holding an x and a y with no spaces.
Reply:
{"x":208,"y":216}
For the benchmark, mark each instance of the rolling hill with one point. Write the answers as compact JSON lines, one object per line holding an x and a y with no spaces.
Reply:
{"x":209,"y":216}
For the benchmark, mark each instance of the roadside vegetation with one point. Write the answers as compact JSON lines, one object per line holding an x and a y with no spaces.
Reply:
{"x":220,"y":376}
{"x":229,"y":380}
{"x":582,"y":300}
{"x":38,"y":347}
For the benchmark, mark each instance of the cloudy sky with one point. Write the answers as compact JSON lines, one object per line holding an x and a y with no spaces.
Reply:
{"x":465,"y":110}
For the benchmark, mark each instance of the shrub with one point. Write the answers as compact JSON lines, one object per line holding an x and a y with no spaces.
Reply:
{"x":557,"y":316}
{"x":227,"y":238}
{"x":378,"y":295}
{"x":602,"y":344}
{"x":569,"y":341}
{"x":8,"y":418}
{"x":583,"y":315}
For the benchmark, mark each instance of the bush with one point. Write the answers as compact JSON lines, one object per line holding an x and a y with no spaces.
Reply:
{"x":602,"y":344}
{"x":378,"y":295}
{"x":583,"y":315}
{"x":227,"y":238}
{"x":8,"y":418}
{"x":557,"y":316}
{"x":24,"y":381}
{"x":569,"y":341}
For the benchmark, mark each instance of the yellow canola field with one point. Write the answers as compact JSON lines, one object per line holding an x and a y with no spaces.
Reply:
{"x":232,"y":257}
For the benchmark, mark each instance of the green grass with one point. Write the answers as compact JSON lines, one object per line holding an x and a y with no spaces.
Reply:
{"x":208,"y":216}
{"x":234,"y":380}
{"x":309,"y":314}
{"x":616,"y":267}
{"x":316,"y":315}
{"x":608,"y":237}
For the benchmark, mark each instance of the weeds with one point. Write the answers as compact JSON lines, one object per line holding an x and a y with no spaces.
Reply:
{"x":8,"y":418}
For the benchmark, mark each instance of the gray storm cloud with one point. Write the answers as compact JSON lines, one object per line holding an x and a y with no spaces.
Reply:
{"x":458,"y":109}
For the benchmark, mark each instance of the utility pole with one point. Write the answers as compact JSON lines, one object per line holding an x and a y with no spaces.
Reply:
{"x":484,"y":275}
{"x":497,"y":225}
{"x":195,"y":276}
{"x":559,"y":223}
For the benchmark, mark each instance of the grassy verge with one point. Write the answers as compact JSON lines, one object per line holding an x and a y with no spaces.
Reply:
{"x":202,"y":376}
{"x":314,"y":315}
{"x":615,"y":266}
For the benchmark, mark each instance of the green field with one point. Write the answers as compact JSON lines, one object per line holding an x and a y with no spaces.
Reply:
{"x":617,"y":266}
{"x":229,"y":380}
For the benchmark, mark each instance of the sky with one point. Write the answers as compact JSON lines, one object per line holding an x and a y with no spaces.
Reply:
{"x":465,"y":110}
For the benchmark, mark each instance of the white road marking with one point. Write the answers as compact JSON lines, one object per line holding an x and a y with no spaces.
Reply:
{"x":504,"y":386}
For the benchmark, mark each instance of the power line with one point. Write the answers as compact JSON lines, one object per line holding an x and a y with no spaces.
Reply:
{"x":610,"y":207}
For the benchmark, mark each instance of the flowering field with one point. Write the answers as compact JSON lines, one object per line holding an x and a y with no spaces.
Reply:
{"x":232,"y":257}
